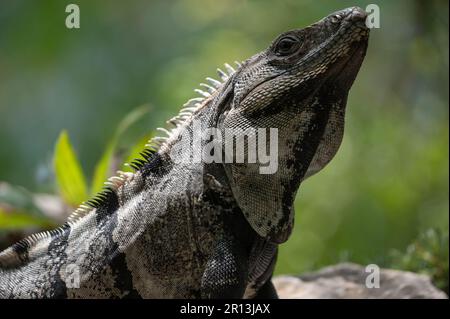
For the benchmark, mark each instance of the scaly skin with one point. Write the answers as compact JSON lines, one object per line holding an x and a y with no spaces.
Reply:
{"x":206,"y":230}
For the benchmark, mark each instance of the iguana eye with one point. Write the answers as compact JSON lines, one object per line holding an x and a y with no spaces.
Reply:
{"x":286,"y":46}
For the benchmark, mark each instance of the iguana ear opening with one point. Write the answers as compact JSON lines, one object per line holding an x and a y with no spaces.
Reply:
{"x":262,"y":201}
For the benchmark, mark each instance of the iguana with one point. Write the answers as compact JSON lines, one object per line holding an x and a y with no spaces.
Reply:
{"x":177,"y":228}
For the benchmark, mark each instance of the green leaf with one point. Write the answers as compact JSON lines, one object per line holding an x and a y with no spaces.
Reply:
{"x":131,"y":118}
{"x":103,"y":166}
{"x":20,"y":220}
{"x":136,"y":149}
{"x":69,"y":175}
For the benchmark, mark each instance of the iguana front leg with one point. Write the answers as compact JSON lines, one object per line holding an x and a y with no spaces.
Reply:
{"x":267,"y":291}
{"x":225,"y":274}
{"x":262,"y":265}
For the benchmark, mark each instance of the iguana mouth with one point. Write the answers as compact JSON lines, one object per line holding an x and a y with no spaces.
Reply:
{"x":350,"y":65}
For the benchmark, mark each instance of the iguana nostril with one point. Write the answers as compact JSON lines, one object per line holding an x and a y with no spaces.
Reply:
{"x":357,"y":14}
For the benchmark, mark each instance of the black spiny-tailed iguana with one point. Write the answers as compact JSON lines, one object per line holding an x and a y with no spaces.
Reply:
{"x":195,"y":229}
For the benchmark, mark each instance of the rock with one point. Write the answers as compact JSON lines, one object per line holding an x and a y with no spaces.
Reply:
{"x":348,"y":281}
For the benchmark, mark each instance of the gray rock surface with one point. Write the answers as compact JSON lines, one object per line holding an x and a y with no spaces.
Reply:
{"x":348,"y":281}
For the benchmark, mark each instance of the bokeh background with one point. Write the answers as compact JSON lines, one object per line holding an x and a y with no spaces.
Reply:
{"x":386,"y":192}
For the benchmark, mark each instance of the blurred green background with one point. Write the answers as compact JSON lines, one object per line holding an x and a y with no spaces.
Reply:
{"x":385,"y":188}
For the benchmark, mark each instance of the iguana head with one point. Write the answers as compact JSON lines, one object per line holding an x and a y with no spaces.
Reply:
{"x":299,"y":86}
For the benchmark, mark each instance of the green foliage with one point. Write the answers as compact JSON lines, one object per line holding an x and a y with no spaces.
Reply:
{"x":103,"y":168}
{"x":427,"y":255}
{"x":68,"y":172}
{"x":16,"y":220}
{"x":18,"y":210}
{"x":136,"y":149}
